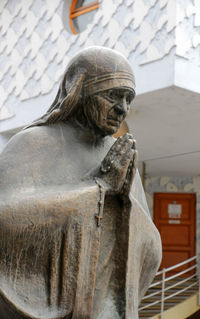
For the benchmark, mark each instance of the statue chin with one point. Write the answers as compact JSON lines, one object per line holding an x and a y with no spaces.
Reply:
{"x":75,"y":227}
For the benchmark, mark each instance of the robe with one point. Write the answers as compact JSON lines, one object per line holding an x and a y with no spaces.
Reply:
{"x":56,"y":260}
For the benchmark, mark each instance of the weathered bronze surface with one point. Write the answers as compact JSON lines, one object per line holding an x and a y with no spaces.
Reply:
{"x":76,"y":238}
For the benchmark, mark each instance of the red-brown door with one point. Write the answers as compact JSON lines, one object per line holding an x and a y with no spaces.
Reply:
{"x":174,"y":216}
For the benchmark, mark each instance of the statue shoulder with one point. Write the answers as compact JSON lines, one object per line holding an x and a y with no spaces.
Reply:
{"x":24,"y":140}
{"x":40,"y":133}
{"x":22,"y":151}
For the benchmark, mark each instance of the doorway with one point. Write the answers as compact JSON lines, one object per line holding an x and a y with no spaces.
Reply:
{"x":175,"y":218}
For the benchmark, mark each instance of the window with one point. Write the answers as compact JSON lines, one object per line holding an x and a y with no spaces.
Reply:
{"x":81,"y":14}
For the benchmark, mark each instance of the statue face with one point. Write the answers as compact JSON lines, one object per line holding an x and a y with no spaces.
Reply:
{"x":111,"y":107}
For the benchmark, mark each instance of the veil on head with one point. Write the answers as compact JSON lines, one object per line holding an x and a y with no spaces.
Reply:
{"x":93,"y":70}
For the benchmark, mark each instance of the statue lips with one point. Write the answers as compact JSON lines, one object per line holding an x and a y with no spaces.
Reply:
{"x":114,"y":120}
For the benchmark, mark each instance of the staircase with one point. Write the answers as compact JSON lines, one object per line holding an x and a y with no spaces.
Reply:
{"x":171,"y":302}
{"x":168,"y":290}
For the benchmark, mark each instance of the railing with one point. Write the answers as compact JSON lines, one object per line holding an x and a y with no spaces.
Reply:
{"x":162,"y":285}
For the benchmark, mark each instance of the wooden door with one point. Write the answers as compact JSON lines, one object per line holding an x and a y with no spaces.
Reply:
{"x":174,"y":216}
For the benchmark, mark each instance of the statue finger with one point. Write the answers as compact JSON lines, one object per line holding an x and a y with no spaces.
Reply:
{"x":127,"y":158}
{"x":123,"y":154}
{"x":119,"y":143}
{"x":116,"y":150}
{"x":132,"y":168}
{"x":134,"y":144}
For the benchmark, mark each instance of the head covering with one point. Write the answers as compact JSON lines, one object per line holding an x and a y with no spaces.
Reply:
{"x":93,"y":70}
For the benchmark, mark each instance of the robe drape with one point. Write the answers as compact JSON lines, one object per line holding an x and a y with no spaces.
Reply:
{"x":54,"y":261}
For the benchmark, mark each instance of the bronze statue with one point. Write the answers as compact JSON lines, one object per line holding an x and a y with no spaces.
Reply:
{"x":76,"y":238}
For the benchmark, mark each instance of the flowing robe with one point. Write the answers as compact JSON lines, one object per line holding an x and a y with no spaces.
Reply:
{"x":54,"y":260}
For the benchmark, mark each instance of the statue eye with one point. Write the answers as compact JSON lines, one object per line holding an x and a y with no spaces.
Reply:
{"x":111,"y":94}
{"x":129,"y":98}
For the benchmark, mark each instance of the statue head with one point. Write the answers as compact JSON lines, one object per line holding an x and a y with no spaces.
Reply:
{"x":97,"y":88}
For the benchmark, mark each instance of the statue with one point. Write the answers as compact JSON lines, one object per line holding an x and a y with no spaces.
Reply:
{"x":76,"y":238}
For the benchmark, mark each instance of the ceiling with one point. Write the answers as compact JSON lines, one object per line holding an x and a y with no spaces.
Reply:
{"x":166,"y":125}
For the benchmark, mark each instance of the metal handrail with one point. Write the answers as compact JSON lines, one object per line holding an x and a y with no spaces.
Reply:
{"x":180,"y":273}
{"x":161,"y":290}
{"x":150,"y":304}
{"x":180,"y":291}
{"x":151,"y":295}
{"x":181,"y":264}
{"x":178,"y":283}
{"x":155,"y":283}
{"x":177,"y":265}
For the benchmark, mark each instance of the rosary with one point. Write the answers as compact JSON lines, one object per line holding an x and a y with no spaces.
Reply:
{"x":99,"y":216}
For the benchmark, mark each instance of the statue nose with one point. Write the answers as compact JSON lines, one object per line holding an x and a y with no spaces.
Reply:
{"x":121,"y":108}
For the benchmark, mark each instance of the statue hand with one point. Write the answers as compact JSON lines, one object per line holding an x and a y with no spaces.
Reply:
{"x":116,"y":168}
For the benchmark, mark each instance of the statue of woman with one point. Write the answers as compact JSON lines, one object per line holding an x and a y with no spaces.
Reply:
{"x":76,"y":238}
